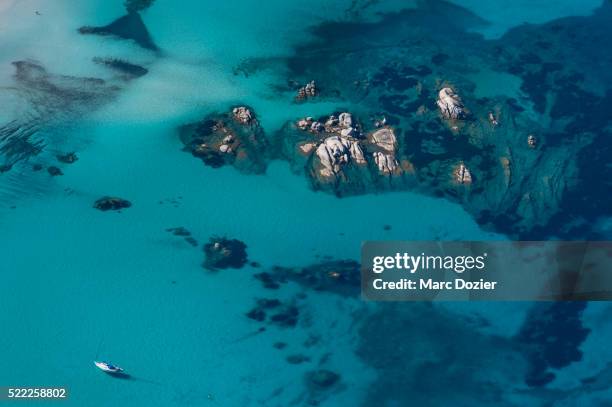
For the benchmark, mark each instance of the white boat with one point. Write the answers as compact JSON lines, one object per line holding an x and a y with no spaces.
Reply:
{"x":108,"y":367}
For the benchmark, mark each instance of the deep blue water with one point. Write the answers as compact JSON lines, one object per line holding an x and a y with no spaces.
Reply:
{"x":80,"y":284}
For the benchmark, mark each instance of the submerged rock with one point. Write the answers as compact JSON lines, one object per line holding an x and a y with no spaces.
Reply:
{"x":338,"y":276}
{"x":256,"y":314}
{"x":68,"y":158}
{"x":54,"y":171}
{"x":179,"y":231}
{"x":287,"y":317}
{"x":223,"y":253}
{"x":450,"y":104}
{"x":297,"y":359}
{"x":111,"y":203}
{"x":137,"y":5}
{"x":234,"y":138}
{"x":322,"y":378}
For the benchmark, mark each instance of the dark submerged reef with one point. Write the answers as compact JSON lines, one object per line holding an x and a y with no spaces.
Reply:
{"x":54,"y":171}
{"x":185,"y":234}
{"x":552,"y":335}
{"x":409,"y":346}
{"x":223,"y":253}
{"x":341,"y":277}
{"x":111,"y":203}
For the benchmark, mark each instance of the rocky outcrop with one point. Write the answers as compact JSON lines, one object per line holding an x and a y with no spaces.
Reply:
{"x":234,"y":138}
{"x":243,"y":115}
{"x":450,"y":104}
{"x":340,"y":156}
{"x":112,"y":203}
{"x":462,"y":175}
{"x":531,"y":141}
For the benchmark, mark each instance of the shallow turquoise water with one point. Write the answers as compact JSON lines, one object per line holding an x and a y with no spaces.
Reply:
{"x":80,"y":284}
{"x":104,"y":277}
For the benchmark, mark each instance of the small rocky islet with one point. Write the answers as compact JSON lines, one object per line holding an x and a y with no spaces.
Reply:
{"x":235,"y":138}
{"x":224,"y":253}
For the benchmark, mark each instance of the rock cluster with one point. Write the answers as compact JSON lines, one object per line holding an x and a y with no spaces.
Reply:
{"x":307,"y":91}
{"x":310,"y":124}
{"x":243,"y":115}
{"x":339,"y":155}
{"x":450,"y":104}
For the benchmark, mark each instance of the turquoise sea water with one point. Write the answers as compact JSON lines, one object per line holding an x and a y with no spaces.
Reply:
{"x":79,"y":284}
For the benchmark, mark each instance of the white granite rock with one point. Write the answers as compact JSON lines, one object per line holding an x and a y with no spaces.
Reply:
{"x":387,"y":164}
{"x":242,"y":115}
{"x":462,"y":174}
{"x":336,"y":152}
{"x":385,"y":139}
{"x":345,"y":120}
{"x":450,"y":104}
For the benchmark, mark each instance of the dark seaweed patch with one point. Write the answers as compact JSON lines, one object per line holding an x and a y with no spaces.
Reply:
{"x":129,"y":27}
